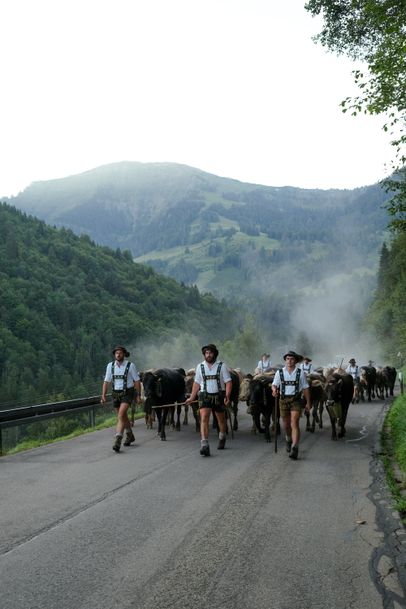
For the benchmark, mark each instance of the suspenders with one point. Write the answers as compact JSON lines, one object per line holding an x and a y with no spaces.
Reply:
{"x":289,"y":383}
{"x":120,"y":376}
{"x":211,"y":377}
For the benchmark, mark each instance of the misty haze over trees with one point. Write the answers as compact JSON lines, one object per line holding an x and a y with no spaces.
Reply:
{"x":65,"y":302}
{"x":299,"y":261}
{"x":374,"y":32}
{"x":294,"y":268}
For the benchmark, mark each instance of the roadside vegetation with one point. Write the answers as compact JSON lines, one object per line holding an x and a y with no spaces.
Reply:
{"x":26,"y":437}
{"x":66,"y":301}
{"x":393,"y":454}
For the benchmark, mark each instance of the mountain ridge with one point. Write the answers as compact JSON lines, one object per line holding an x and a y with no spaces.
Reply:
{"x":257,"y":246}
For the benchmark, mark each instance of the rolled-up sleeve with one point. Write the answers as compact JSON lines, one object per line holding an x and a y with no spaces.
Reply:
{"x":277,"y":379}
{"x":134,"y":372}
{"x":225,"y":373}
{"x":108,"y":376}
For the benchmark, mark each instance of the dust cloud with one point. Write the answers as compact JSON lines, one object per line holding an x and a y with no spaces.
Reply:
{"x":180,"y":351}
{"x":316,"y":309}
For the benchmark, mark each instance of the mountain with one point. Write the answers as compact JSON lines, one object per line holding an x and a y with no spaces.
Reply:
{"x":271,"y":250}
{"x":65,"y":302}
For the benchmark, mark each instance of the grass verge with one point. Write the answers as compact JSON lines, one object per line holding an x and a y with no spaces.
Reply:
{"x":393,"y":441}
{"x":79,"y":431}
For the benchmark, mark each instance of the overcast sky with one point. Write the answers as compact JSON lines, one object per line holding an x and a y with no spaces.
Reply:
{"x":233,"y":87}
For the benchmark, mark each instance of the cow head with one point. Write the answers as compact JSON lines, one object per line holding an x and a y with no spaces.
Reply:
{"x":260,"y":390}
{"x":333,"y":390}
{"x":149,"y":382}
{"x":245,"y":388}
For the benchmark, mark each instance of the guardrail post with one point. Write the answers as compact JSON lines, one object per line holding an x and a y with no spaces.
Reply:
{"x":91,"y":417}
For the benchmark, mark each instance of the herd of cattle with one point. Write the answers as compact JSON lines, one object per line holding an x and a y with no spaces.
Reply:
{"x":166,"y":389}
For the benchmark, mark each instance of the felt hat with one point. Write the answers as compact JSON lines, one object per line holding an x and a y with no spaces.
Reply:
{"x":297,"y":357}
{"x":123,"y":349}
{"x":210,"y":347}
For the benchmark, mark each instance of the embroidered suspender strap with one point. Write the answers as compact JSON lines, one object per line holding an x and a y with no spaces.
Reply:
{"x":294,"y":383}
{"x":218,"y":376}
{"x":211,"y":377}
{"x":120,"y":376}
{"x":297,"y":379}
{"x":282,"y":379}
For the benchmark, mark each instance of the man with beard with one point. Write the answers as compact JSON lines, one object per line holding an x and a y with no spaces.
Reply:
{"x":125,"y":382}
{"x":290,"y":382}
{"x":212,"y":386}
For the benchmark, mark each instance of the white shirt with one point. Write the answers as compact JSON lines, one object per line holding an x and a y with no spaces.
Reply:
{"x":264,"y":364}
{"x":211,"y":385}
{"x":306,"y":367}
{"x":353,"y":370}
{"x":119,"y":369}
{"x":290,"y":389}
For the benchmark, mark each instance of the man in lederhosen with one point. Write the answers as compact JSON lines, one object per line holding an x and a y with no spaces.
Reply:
{"x":290,"y":382}
{"x":212,"y":386}
{"x":264,"y":364}
{"x":306,"y":365}
{"x":126,"y":386}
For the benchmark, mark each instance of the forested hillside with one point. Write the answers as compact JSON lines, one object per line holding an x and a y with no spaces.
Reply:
{"x":291,"y":257}
{"x":167,"y":212}
{"x":66,"y":301}
{"x":387,"y":314}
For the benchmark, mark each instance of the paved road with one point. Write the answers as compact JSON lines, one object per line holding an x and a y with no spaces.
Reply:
{"x":160,"y":527}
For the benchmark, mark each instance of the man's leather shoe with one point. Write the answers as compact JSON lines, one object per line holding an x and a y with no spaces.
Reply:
{"x":205,"y":450}
{"x":221,"y":444}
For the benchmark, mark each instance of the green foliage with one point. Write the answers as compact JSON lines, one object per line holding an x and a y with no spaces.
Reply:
{"x":216,"y":218}
{"x":65,"y":302}
{"x":397,"y":205}
{"x":393,"y":454}
{"x":245,"y":348}
{"x":260,"y":248}
{"x":373,"y":31}
{"x":397,"y":421}
{"x":17,"y":439}
{"x":387,"y":314}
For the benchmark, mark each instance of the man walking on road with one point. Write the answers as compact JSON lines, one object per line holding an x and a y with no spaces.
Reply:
{"x":289,"y":382}
{"x":125,"y":384}
{"x":212,"y":385}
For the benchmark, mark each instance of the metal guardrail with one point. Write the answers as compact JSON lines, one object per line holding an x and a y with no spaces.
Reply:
{"x":24,"y":415}
{"x":32,"y":414}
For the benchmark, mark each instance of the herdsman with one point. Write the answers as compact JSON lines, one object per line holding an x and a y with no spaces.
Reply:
{"x":290,"y":382}
{"x":126,"y":386}
{"x":264,"y":364}
{"x":212,"y":386}
{"x":306,"y":365}
{"x":352,"y":369}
